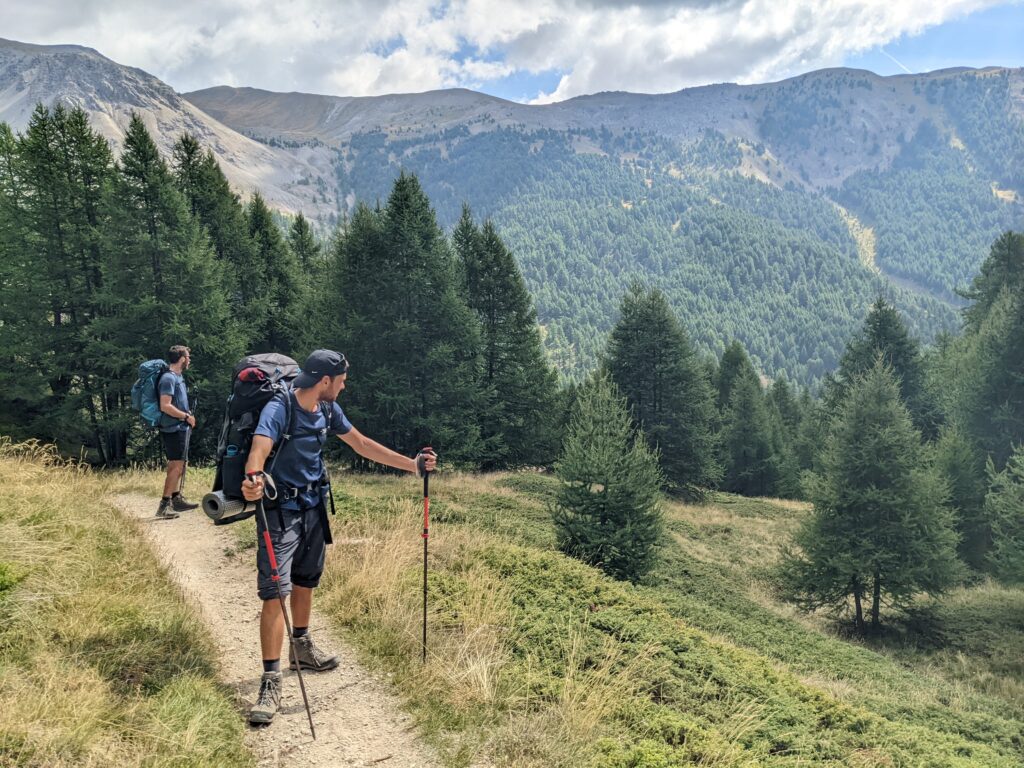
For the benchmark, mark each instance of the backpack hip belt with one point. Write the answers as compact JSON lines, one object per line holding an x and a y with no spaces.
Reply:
{"x":293,"y":492}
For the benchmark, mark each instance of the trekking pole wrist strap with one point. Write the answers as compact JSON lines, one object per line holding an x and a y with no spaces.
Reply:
{"x":269,"y":488}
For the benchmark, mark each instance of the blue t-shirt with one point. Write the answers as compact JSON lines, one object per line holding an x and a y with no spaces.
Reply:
{"x":173,"y":384}
{"x":299,"y":463}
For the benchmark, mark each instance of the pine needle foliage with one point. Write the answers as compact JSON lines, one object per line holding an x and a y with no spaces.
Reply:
{"x":651,"y":360}
{"x":882,"y":528}
{"x":608,"y":510}
{"x":1004,"y":508}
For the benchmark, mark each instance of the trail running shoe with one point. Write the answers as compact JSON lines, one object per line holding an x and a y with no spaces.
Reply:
{"x":180,"y":504}
{"x":310,"y":656}
{"x":166,"y":511}
{"x":269,"y":699}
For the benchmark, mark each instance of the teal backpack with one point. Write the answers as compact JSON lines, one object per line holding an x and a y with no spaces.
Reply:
{"x":146,"y":392}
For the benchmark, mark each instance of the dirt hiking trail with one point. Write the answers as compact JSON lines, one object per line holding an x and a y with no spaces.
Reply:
{"x":358,"y":722}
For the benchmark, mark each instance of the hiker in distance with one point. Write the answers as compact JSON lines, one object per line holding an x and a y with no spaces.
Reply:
{"x":297,"y":520}
{"x":174,"y":430}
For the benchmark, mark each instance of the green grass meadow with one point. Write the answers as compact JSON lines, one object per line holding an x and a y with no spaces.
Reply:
{"x":534,"y":659}
{"x":538,"y":660}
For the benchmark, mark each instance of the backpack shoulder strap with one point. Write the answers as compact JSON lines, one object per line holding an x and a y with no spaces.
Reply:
{"x":288,"y":426}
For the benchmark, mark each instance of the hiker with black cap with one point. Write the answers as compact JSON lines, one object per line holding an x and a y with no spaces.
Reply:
{"x":298,"y":422}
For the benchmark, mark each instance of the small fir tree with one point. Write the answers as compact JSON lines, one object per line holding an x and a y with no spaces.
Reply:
{"x":607,"y":510}
{"x":304,"y":244}
{"x":734,"y":365}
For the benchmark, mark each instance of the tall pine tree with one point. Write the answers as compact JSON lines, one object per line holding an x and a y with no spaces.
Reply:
{"x":519,"y":420}
{"x":402,"y":320}
{"x":65,"y":169}
{"x":650,"y":358}
{"x":162,"y":285}
{"x":274,"y":294}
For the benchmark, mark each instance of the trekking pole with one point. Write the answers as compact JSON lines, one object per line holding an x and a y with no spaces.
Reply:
{"x":276,"y":578}
{"x":426,"y":538}
{"x":184,"y":469}
{"x":188,"y":440}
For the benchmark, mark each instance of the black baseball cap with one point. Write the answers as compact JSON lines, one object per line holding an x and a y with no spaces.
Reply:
{"x":322,"y":362}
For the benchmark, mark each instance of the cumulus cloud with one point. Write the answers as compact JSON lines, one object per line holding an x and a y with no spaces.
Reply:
{"x":368,"y":47}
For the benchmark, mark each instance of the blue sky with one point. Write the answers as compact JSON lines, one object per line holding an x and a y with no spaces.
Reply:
{"x":992,"y":37}
{"x":527,"y":50}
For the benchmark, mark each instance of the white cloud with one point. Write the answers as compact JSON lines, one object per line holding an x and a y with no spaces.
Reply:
{"x":364,"y":47}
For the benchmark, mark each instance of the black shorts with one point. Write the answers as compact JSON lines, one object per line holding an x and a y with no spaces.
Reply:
{"x":299,"y":549}
{"x":174,"y":444}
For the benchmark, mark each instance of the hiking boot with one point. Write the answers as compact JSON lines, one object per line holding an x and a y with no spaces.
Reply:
{"x":180,"y":504}
{"x":310,"y":656}
{"x":269,"y":699}
{"x":165,"y":510}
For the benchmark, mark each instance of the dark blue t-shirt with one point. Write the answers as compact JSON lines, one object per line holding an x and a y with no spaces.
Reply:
{"x":173,"y":384}
{"x":299,"y":463}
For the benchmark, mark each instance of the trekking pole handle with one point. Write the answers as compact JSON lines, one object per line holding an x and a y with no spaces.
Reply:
{"x":269,"y":488}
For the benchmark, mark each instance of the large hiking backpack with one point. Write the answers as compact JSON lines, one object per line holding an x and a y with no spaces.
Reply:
{"x":257,"y":379}
{"x":146,"y":392}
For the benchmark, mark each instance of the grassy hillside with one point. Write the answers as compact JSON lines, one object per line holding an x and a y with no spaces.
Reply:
{"x":102,"y":662}
{"x":538,"y":660}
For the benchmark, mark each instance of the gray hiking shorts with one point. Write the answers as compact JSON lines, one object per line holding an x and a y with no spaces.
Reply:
{"x":299,"y":548}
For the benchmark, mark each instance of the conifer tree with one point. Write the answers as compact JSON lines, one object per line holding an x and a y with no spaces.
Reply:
{"x":1004,"y":509}
{"x":23,"y":324}
{"x":212,"y":201}
{"x":885,"y":333}
{"x":995,"y":396}
{"x":64,"y":170}
{"x":734,"y":365}
{"x":162,"y":285}
{"x":303,"y":244}
{"x":402,"y":320}
{"x":651,"y":360}
{"x":785,"y":421}
{"x":747,"y":446}
{"x":962,"y":465}
{"x":518,"y":423}
{"x":607,"y":510}
{"x":881,"y":525}
{"x":1002,"y":269}
{"x":274,"y":294}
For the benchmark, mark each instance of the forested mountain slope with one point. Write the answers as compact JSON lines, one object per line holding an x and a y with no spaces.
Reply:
{"x":770,"y":213}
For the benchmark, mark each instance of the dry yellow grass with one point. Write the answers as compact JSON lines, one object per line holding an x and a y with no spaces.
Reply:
{"x":469,"y":618}
{"x":101,"y":661}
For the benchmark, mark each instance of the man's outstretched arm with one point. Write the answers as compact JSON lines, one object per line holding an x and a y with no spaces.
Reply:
{"x":374,"y":451}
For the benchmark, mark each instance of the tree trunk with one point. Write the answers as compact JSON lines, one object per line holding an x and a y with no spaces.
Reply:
{"x":876,"y":599}
{"x":858,"y":620}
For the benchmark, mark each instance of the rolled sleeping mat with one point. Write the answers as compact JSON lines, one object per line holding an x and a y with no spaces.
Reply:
{"x":217,"y":506}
